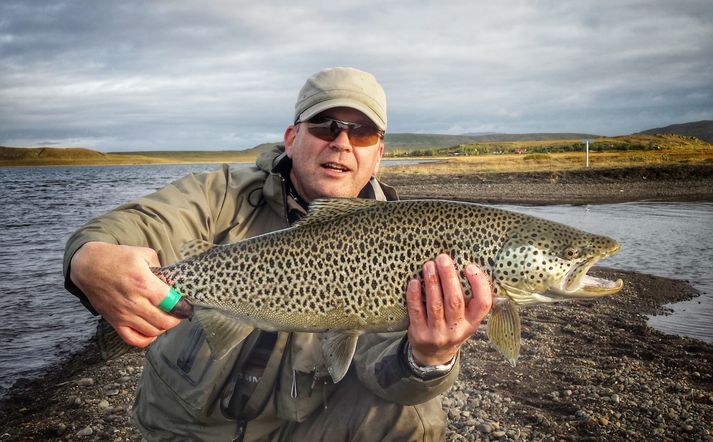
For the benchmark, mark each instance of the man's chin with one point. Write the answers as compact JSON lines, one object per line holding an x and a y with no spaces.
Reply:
{"x":333,"y":188}
{"x":335,"y":193}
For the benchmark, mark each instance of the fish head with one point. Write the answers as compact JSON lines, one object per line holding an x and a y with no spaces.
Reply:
{"x":543,"y":261}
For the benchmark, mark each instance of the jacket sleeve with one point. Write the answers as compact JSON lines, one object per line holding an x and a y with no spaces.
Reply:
{"x":198,"y":206}
{"x":380,"y":362}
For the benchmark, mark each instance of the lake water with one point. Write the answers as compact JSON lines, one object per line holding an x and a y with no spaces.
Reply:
{"x":41,"y":323}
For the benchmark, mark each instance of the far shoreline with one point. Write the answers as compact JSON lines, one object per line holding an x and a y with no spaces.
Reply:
{"x":670,"y":183}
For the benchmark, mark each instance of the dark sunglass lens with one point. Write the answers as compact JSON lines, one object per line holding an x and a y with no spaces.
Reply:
{"x":320,"y":128}
{"x":364,"y":136}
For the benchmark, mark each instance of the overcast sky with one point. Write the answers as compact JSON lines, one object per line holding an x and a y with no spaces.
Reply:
{"x":209,"y":75}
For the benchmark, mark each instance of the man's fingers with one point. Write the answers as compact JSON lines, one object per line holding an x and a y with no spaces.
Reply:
{"x":482,"y":289}
{"x":434,"y":295}
{"x":414,"y":303}
{"x":132,"y":337}
{"x":144,"y":327}
{"x":452,"y":290}
{"x":148,"y":291}
{"x":158,"y":318}
{"x":143,"y":282}
{"x":150,"y":256}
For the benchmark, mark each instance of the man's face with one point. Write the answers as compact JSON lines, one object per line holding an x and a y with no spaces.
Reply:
{"x":331,"y":168}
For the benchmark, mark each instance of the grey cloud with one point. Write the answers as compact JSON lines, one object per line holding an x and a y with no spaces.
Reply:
{"x":163,"y":74}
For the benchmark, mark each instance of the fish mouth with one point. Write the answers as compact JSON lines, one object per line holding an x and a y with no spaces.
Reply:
{"x":578,"y":284}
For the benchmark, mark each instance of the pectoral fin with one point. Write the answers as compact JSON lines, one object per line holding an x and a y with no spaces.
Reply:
{"x":504,"y":330}
{"x":338,"y":350}
{"x":223,"y":332}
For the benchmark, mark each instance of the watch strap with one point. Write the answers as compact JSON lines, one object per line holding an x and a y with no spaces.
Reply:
{"x":428,"y":372}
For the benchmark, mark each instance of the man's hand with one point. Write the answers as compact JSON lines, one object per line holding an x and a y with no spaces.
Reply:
{"x":119,"y":284}
{"x":444,"y":322}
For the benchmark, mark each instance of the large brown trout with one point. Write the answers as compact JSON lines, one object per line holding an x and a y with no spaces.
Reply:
{"x":343,"y":269}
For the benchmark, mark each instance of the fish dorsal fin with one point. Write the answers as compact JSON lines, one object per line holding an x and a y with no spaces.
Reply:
{"x":337,"y":351}
{"x":327,"y":209}
{"x":195,"y":247}
{"x":222,"y":332}
{"x":504,"y":330}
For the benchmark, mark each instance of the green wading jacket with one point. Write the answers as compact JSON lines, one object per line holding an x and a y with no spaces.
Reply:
{"x":226,"y":206}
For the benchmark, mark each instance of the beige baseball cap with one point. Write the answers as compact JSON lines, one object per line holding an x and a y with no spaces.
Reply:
{"x":342,"y":87}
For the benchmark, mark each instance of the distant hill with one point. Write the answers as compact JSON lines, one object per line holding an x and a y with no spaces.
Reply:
{"x":703,"y":130}
{"x":260,"y":148}
{"x":63,"y":156}
{"x":409,"y":141}
{"x":405,"y":141}
{"x":48,"y":153}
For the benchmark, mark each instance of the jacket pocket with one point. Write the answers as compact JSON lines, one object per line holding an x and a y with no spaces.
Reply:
{"x":299,"y":393}
{"x":182,"y":360}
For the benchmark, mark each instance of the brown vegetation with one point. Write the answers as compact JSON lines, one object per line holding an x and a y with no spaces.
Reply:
{"x":653,"y":151}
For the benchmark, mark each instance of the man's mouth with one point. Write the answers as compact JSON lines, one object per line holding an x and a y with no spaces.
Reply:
{"x":336,"y":167}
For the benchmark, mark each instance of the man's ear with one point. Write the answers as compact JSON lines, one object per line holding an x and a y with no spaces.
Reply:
{"x":378,"y":162}
{"x":290,"y":135}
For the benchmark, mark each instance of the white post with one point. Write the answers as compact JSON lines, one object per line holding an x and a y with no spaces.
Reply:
{"x":587,"y":153}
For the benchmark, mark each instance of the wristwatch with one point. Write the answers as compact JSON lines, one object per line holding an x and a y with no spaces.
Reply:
{"x":428,"y":372}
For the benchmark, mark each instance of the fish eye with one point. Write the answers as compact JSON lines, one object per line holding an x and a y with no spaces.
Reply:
{"x":570,"y":253}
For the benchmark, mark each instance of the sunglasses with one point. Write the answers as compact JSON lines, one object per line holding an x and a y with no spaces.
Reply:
{"x":328,"y":129}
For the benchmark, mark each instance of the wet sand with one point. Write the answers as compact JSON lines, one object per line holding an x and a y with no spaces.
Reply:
{"x":591,"y":370}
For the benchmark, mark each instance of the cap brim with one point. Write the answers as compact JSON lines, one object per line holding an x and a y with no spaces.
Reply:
{"x":342,"y":102}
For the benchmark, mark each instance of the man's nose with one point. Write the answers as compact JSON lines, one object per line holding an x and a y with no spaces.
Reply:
{"x":342,"y":141}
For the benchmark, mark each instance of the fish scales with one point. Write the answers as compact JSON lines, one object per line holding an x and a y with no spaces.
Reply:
{"x":349,"y":272}
{"x":344,"y":268}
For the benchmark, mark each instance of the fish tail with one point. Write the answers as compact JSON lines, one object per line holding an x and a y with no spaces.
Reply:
{"x":110,"y":344}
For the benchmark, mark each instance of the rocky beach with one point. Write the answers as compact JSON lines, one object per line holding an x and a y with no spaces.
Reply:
{"x":590,"y":370}
{"x":588,"y":186}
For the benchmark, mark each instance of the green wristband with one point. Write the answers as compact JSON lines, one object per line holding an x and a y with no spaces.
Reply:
{"x":170,"y":301}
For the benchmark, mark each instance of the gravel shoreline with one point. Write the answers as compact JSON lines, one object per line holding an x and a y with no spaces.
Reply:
{"x":671,"y":183}
{"x":590,"y":370}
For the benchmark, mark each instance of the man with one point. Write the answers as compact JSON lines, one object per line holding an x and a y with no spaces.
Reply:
{"x":267,"y":389}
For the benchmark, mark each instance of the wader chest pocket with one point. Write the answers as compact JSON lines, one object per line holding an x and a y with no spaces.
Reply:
{"x":182,"y":360}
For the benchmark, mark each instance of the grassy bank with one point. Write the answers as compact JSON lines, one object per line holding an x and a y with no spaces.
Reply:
{"x":41,"y":157}
{"x":652,"y":151}
{"x":638,"y":142}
